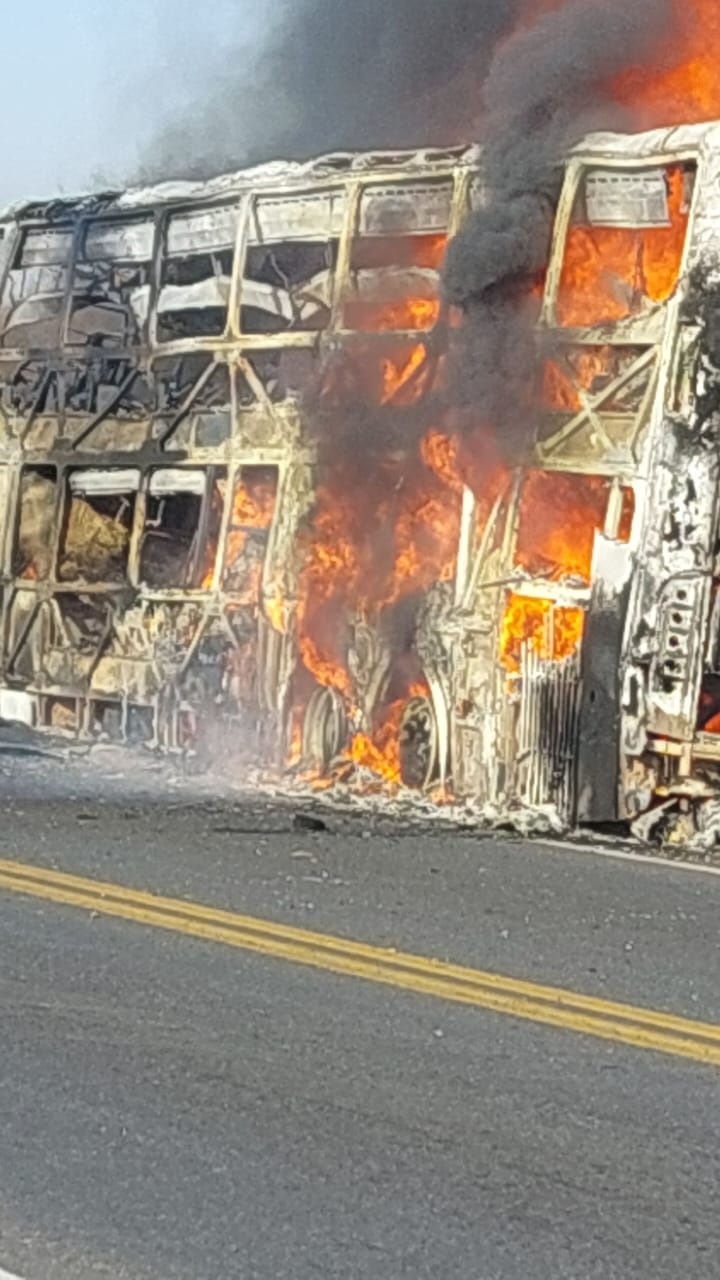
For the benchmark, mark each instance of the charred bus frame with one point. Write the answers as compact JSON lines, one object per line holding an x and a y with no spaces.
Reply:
{"x":632,"y":733}
{"x":154,"y":347}
{"x":177,"y":335}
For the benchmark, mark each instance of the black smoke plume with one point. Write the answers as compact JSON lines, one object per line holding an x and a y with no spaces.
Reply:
{"x":524,"y":78}
{"x":546,"y":86}
{"x":339,"y":74}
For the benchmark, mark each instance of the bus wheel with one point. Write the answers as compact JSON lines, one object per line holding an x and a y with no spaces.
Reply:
{"x":419,"y":755}
{"x":325,"y":729}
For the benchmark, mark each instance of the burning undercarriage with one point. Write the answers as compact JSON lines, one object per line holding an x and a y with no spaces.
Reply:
{"x":235,"y":490}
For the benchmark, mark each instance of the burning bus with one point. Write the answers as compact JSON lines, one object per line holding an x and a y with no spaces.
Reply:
{"x":582,"y":614}
{"x":159,"y":351}
{"x":231,"y":489}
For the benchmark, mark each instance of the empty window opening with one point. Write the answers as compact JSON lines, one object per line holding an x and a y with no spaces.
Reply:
{"x":29,"y":386}
{"x":32,"y":553}
{"x":98,"y":521}
{"x":77,"y":629}
{"x":193,"y":397}
{"x":708,"y":720}
{"x":63,"y":715}
{"x":105,"y":386}
{"x":191,"y":380}
{"x":291,"y":258}
{"x":33,"y":295}
{"x":197,"y":267}
{"x":625,"y":245}
{"x":111,"y":284}
{"x":175,"y":535}
{"x":105,"y":719}
{"x":283,"y":373}
{"x":709,"y":705}
{"x":213,"y":525}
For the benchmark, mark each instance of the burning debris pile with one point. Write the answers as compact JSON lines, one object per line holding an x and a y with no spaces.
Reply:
{"x":390,"y":468}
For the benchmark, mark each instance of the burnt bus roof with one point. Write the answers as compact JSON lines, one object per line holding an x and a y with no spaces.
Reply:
{"x":288,"y":175}
{"x":276,"y":174}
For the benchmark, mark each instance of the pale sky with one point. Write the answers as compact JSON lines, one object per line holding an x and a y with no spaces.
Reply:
{"x":85,"y":83}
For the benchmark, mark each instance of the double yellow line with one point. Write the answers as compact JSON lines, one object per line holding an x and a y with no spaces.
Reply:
{"x":553,"y":1006}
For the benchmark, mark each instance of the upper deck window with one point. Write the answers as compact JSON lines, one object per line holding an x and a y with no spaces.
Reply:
{"x":107,"y":385}
{"x":289,"y":274}
{"x":197,"y":266}
{"x":111,"y":284}
{"x":625,"y":245}
{"x":34,"y":291}
{"x":398,"y":248}
{"x":194,"y":396}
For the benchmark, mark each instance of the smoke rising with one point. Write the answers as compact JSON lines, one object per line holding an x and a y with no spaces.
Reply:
{"x":525,"y":78}
{"x":546,"y":86}
{"x":337,"y":74}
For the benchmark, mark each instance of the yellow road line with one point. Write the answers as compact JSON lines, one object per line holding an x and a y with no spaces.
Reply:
{"x":553,"y":1006}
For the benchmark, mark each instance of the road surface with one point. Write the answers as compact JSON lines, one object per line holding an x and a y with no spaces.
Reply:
{"x":345,"y":1053}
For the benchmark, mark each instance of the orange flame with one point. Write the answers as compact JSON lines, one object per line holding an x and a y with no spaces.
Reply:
{"x":253,"y":508}
{"x":276,"y":614}
{"x":381,"y":752}
{"x":383,"y":309}
{"x":611,"y":273}
{"x":326,"y":670}
{"x":398,"y":374}
{"x":679,"y":84}
{"x":554,"y":632}
{"x":408,"y":315}
{"x":415,"y":520}
{"x":562,"y":392}
{"x":440,"y":453}
{"x":559,"y":517}
{"x":683,"y":85}
{"x":381,"y":757}
{"x":296,"y":737}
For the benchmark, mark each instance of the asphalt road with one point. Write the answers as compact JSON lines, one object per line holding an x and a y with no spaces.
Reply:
{"x":176,"y":1107}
